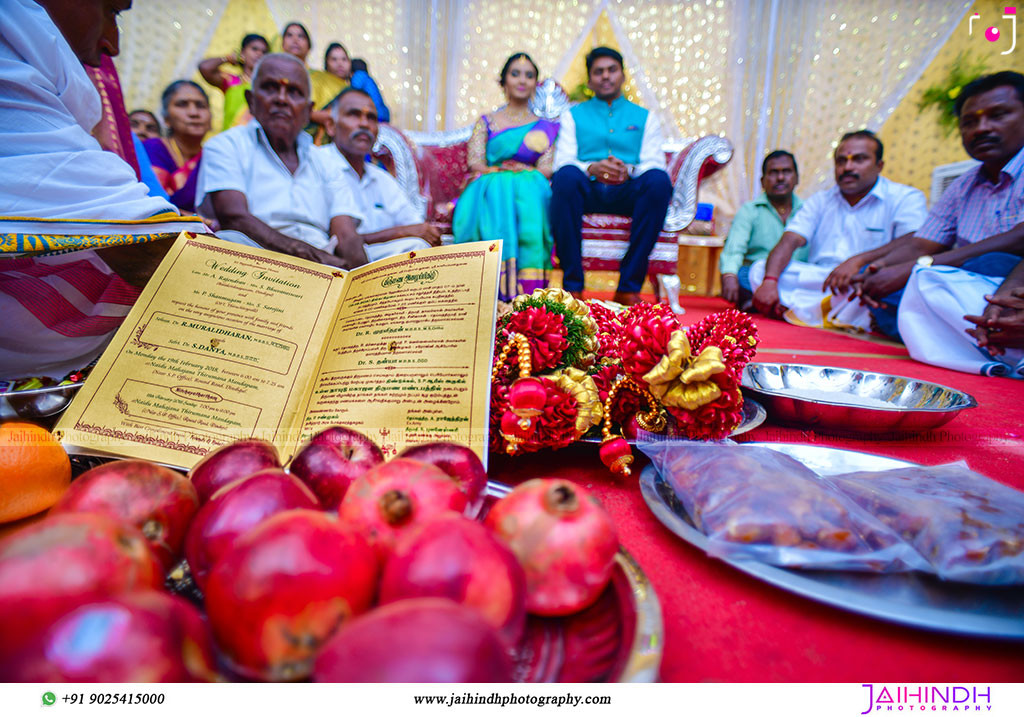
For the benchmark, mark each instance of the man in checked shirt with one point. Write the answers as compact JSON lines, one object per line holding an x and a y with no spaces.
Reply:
{"x":977,"y":224}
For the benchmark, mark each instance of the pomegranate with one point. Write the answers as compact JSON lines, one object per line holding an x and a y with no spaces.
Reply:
{"x":564,"y":540}
{"x":57,"y":564}
{"x":460,"y":463}
{"x":396,"y":496}
{"x":229,"y":463}
{"x":333,"y":459}
{"x":143,"y":636}
{"x":457,"y":558}
{"x":284,"y":588}
{"x":418,"y":640}
{"x":235,"y":509}
{"x":158,"y":501}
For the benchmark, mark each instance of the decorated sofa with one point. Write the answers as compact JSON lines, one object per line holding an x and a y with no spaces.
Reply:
{"x":432,"y":169}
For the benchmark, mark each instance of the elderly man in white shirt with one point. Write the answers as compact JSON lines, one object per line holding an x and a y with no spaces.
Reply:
{"x":391,"y":225}
{"x":863,"y":211}
{"x":265,"y":181}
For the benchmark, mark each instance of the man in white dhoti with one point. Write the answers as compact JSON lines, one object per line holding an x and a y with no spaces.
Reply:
{"x":60,"y":190}
{"x":863,"y":211}
{"x":965,"y":321}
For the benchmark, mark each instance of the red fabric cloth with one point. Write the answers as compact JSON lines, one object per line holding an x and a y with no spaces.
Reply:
{"x":721,"y":624}
{"x":114,"y":132}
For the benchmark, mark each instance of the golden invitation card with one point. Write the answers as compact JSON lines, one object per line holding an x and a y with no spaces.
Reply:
{"x":230,"y":342}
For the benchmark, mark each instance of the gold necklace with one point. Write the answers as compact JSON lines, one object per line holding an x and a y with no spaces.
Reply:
{"x":517,"y":119}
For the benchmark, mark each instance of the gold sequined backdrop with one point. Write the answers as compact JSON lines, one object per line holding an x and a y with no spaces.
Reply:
{"x":765,"y":73}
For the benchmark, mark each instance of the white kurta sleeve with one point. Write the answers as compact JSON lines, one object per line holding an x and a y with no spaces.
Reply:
{"x":910,"y":213}
{"x":652,"y":156}
{"x":565,"y":146}
{"x":806,"y":221}
{"x":221,"y":168}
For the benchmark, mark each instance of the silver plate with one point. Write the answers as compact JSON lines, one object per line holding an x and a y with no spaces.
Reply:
{"x":907,"y":598}
{"x":37,"y":402}
{"x":912,"y":405}
{"x":753,"y":416}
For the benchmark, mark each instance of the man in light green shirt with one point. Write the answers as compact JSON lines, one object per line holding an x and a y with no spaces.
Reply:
{"x":758,"y":225}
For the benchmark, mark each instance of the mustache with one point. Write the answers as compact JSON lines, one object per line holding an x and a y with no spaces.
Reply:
{"x":852,"y":175}
{"x":362,"y":133}
{"x":984,"y":138}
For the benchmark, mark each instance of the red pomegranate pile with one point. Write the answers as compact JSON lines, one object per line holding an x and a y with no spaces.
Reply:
{"x":339,"y":567}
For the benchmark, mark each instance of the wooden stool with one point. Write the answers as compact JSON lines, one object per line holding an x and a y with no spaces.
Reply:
{"x":698,"y":264}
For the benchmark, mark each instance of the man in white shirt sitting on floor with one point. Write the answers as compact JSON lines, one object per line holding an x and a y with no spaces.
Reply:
{"x":265,"y":183}
{"x":391,"y":225}
{"x":863,"y":211}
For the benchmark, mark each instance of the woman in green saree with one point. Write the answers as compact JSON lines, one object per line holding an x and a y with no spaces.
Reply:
{"x":510,"y":157}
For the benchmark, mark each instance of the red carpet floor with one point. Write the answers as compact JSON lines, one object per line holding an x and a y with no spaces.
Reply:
{"x":721,"y":625}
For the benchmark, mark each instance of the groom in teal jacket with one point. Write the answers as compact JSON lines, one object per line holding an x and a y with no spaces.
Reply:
{"x":608,"y":159}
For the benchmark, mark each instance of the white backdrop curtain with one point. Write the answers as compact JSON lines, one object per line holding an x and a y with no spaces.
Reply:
{"x":804,"y":72}
{"x":162,"y":42}
{"x":767,"y":74}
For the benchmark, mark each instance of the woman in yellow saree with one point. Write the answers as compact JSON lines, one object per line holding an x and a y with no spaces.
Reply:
{"x":324,"y":86}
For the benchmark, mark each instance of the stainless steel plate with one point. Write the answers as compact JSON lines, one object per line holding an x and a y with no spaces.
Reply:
{"x":825,"y":397}
{"x":753,"y":416}
{"x":907,"y":598}
{"x":37,"y":402}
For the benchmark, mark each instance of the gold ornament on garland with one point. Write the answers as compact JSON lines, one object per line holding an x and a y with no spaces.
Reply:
{"x":681,"y":379}
{"x":581,"y":387}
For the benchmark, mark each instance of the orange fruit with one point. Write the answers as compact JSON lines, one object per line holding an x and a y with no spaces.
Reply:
{"x":34,"y":470}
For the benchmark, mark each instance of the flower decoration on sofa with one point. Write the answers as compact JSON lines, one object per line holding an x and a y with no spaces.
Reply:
{"x":565,"y":369}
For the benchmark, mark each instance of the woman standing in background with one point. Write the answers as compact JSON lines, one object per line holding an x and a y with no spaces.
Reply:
{"x":324,"y":86}
{"x":338,"y":62}
{"x":236,"y":109}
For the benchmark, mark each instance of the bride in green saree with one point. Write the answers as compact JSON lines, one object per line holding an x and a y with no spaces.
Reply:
{"x":510,"y":157}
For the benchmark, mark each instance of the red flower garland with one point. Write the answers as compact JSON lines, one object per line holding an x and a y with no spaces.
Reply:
{"x":546,"y":332}
{"x":628,"y":402}
{"x":715,"y":420}
{"x":609,"y":330}
{"x":555,"y":428}
{"x":645,"y":336}
{"x":631,"y":344}
{"x":730,"y":330}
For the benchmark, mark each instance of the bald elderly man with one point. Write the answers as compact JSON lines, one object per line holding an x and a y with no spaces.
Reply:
{"x":264,"y":181}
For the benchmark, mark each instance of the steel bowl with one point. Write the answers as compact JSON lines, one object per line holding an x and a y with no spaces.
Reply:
{"x":37,"y":402}
{"x":911,"y":405}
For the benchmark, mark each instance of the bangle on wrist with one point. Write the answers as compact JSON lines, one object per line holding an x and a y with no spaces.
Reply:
{"x":770,"y":278}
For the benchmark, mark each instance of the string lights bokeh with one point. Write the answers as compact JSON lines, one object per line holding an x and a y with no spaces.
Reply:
{"x":797,"y":77}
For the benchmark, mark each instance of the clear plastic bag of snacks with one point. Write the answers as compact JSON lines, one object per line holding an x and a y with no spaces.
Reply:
{"x":759,"y":504}
{"x":968,"y":527}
